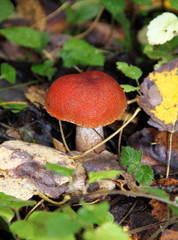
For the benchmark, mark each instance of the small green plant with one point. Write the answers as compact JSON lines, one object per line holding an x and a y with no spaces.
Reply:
{"x":132,"y":72}
{"x":79,"y":52}
{"x":45,"y":69}
{"x":132,"y":159}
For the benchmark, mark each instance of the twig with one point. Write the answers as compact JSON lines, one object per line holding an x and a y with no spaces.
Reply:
{"x":85,"y":33}
{"x":13,"y":102}
{"x":33,"y":209}
{"x":51,"y":15}
{"x":169,"y":154}
{"x":63,"y":137}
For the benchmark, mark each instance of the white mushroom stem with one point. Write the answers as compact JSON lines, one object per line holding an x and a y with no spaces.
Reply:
{"x":87,"y":138}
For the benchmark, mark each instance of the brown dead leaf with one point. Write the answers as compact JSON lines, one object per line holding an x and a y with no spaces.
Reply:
{"x":155,"y":146}
{"x":169,"y":235}
{"x":160,"y":97}
{"x":24,"y":163}
{"x":166,"y":182}
{"x":169,"y":185}
{"x":33,"y":11}
{"x":159,"y":209}
{"x":36,"y":94}
{"x":58,"y":145}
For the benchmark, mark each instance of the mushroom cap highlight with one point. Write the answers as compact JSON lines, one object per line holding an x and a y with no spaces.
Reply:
{"x":89,"y":99}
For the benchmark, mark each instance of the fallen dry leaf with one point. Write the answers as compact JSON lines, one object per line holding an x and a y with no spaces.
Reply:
{"x":159,"y":209}
{"x":22,"y":166}
{"x":32,"y":11}
{"x":169,"y":235}
{"x":36,"y":94}
{"x":160,"y":97}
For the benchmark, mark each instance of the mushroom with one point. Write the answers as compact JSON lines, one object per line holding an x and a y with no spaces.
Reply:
{"x":91,"y":100}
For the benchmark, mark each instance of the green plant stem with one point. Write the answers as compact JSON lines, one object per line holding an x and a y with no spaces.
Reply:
{"x":18,"y":86}
{"x":66,"y":198}
{"x":108,"y":138}
{"x":132,"y":194}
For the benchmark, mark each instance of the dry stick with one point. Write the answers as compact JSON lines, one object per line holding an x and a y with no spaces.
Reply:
{"x":120,"y":137}
{"x":132,"y":101}
{"x":51,"y":15}
{"x":13,"y":102}
{"x":108,"y":138}
{"x":127,"y":214}
{"x":33,"y":209}
{"x":157,"y":232}
{"x":83,"y":3}
{"x":63,"y":137}
{"x":169,"y":154}
{"x":140,"y":229}
{"x":85,"y":33}
{"x":41,"y":195}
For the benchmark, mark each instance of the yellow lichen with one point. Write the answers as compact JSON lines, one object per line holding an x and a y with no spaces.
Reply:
{"x":167,"y":83}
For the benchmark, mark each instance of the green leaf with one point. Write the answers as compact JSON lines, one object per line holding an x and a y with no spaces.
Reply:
{"x":157,"y":192}
{"x":144,"y":175}
{"x":8,"y":72}
{"x":174,"y":4}
{"x":95,"y":214}
{"x":46,"y":225}
{"x":174,"y":209}
{"x":6,"y":213}
{"x":44,"y":69}
{"x":97,"y":176}
{"x":129,"y":70}
{"x":24,"y":36}
{"x":62,"y":171}
{"x":142,"y":2}
{"x":6,"y":9}
{"x":105,"y":232}
{"x":129,"y":88}
{"x":83,"y":12}
{"x":130,"y":156}
{"x":114,"y":6}
{"x":77,"y":52}
{"x":157,"y":52}
{"x":13,"y":203}
{"x":61,"y":225}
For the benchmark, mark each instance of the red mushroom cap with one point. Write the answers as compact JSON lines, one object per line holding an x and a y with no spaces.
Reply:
{"x":88,"y":99}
